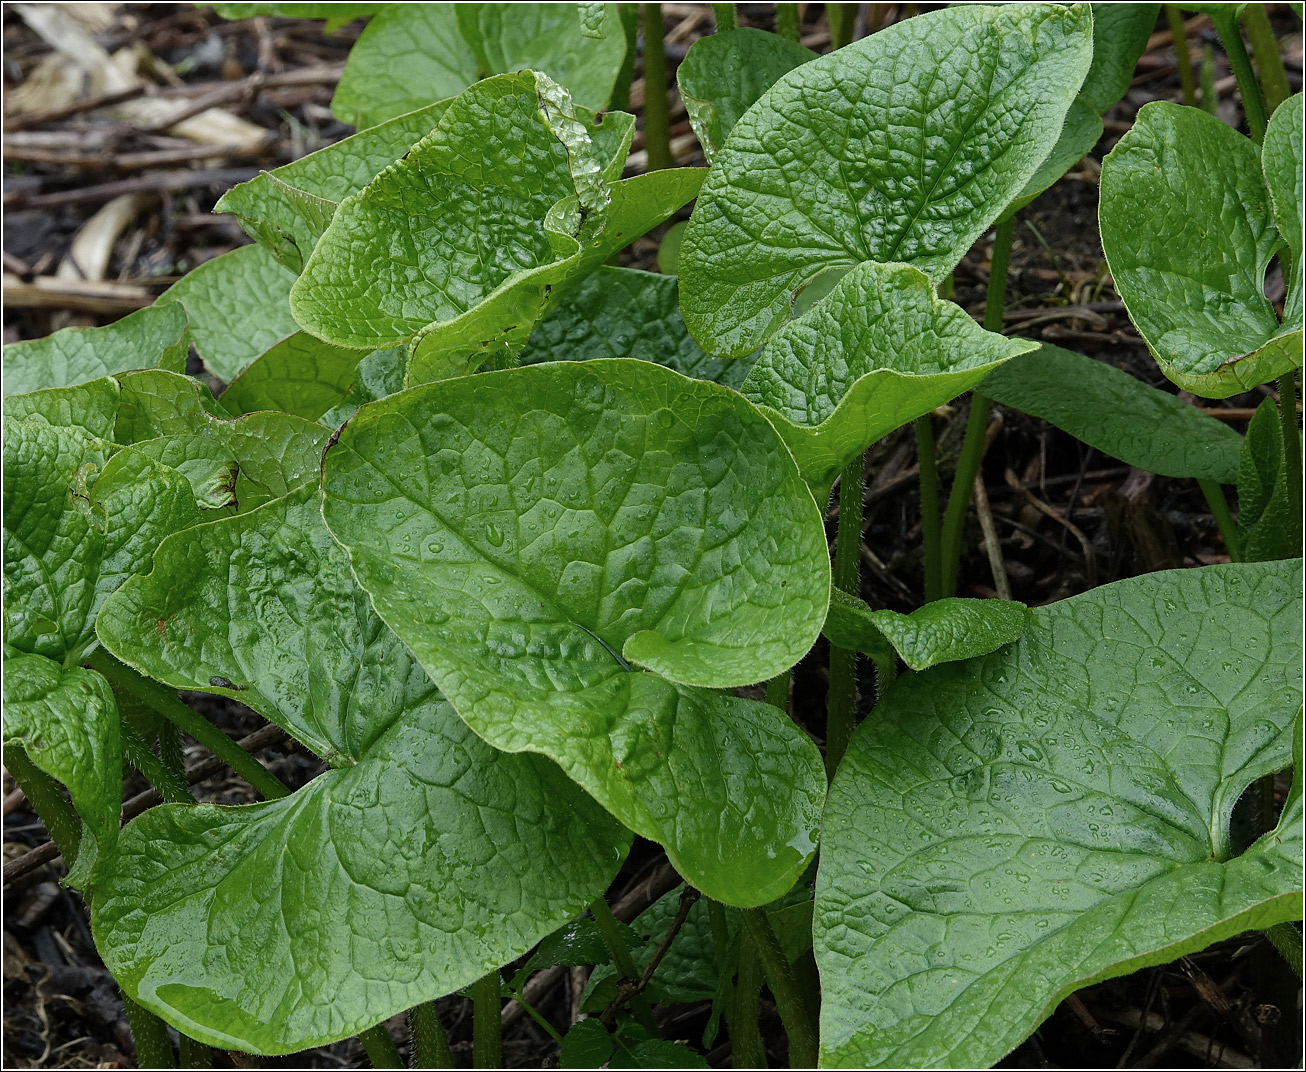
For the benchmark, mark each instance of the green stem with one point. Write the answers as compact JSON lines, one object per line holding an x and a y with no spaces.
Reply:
{"x":487,"y":1022}
{"x":786,"y":21}
{"x":843,"y":22}
{"x":380,"y":1047}
{"x":630,"y":30}
{"x":1291,"y":442}
{"x":153,"y":1047}
{"x":621,"y":958}
{"x":841,"y":704}
{"x":172,"y":788}
{"x":886,"y":670}
{"x":657,"y":114}
{"x":777,"y":691}
{"x":1287,"y":940}
{"x":797,"y":1015}
{"x":194,"y":1054}
{"x":929,"y":476}
{"x":972,"y":448}
{"x":171,"y":751}
{"x":746,"y":1046}
{"x":1223,"y":519}
{"x":430,"y":1043}
{"x":1210,"y":99}
{"x":47,"y":799}
{"x":1182,"y":53}
{"x":1265,"y":51}
{"x":1225,"y":21}
{"x":725,"y":17}
{"x":191,"y":722}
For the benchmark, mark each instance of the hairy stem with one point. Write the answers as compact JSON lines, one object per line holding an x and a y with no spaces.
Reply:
{"x":1225,"y":21}
{"x":1291,"y":442}
{"x":1183,"y":54}
{"x":929,"y":476}
{"x":972,"y":449}
{"x":843,"y":22}
{"x":430,"y":1043}
{"x":796,"y":1013}
{"x":1223,"y":519}
{"x":745,"y":1031}
{"x":153,"y":1047}
{"x":1265,"y":53}
{"x":166,"y":703}
{"x":1209,"y":101}
{"x":47,"y":800}
{"x":624,"y":962}
{"x":194,"y":1054}
{"x":380,"y":1047}
{"x":777,"y":690}
{"x":725,"y":17}
{"x":171,"y":786}
{"x":657,"y":115}
{"x":1287,"y":940}
{"x":487,"y":1023}
{"x":786,"y":21}
{"x":841,"y":706}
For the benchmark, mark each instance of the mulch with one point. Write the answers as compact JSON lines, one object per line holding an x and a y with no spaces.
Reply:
{"x":1067,"y":517}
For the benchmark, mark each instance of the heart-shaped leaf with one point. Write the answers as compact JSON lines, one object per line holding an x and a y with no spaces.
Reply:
{"x":879,"y":351}
{"x":621,"y":312}
{"x":1117,"y":414}
{"x":148,"y":338}
{"x":1188,"y":233}
{"x":1011,"y":828}
{"x":591,"y":516}
{"x":903,"y":146}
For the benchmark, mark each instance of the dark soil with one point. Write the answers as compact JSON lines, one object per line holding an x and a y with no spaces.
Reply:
{"x":1235,"y":1005}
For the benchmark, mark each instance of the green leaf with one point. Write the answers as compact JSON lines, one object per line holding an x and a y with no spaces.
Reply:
{"x":1265,"y":516}
{"x":904,"y":146}
{"x":238,"y":308}
{"x":90,"y":408}
{"x":947,"y":630}
{"x":621,"y":312}
{"x":1188,"y":233}
{"x":379,"y":374}
{"x":1281,"y":163}
{"x":724,"y":74}
{"x":1117,"y":414}
{"x":546,"y":38}
{"x":76,"y":524}
{"x":289,"y":208}
{"x":148,"y":338}
{"x":1009,"y":829}
{"x":586,"y":1045}
{"x":300,"y":375}
{"x":880,"y":350}
{"x":285,"y":925}
{"x":594,"y":515}
{"x":66,"y":720}
{"x":404,"y":253}
{"x":408,"y":56}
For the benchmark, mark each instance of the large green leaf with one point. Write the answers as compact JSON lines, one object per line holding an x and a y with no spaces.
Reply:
{"x":280,"y":926}
{"x":546,"y":38}
{"x":1281,"y":163}
{"x":287,"y":209}
{"x":238,"y":305}
{"x":1188,"y":232}
{"x":66,"y":720}
{"x":877,"y":352}
{"x":576,"y":519}
{"x":723,"y":75}
{"x":1009,"y":829}
{"x":155,"y":336}
{"x":621,"y":312}
{"x":409,"y":56}
{"x":904,"y":146}
{"x":1117,"y":414}
{"x":944,"y":631}
{"x":300,"y":375}
{"x":1270,"y":527}
{"x":77,"y":522}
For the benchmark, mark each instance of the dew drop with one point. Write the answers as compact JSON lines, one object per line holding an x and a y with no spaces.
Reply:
{"x":494,"y":535}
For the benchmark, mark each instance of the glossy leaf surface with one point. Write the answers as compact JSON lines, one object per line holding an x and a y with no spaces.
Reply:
{"x":621,"y":312}
{"x":150,"y":337}
{"x":66,"y":720}
{"x":592,"y":516}
{"x":1117,"y":414}
{"x":723,"y":75}
{"x":877,"y":352}
{"x":1188,"y":233}
{"x":903,"y":146}
{"x":238,"y":305}
{"x":1011,"y":828}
